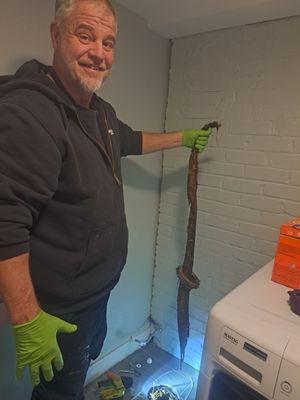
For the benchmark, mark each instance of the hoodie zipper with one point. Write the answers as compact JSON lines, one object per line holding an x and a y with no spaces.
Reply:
{"x":102,"y":148}
{"x":110,"y":158}
{"x":110,"y":143}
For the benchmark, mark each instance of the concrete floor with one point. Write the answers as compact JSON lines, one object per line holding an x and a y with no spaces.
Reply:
{"x":163,"y":370}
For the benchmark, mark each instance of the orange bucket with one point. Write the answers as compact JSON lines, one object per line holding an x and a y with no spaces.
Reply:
{"x":286,"y":269}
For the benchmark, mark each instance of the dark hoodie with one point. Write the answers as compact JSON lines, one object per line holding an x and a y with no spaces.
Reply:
{"x":61,"y":189}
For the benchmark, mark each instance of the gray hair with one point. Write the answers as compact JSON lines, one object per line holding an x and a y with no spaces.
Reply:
{"x":63,"y":7}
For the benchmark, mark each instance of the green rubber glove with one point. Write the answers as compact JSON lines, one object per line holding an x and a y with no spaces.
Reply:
{"x":36,"y":346}
{"x":196,"y":138}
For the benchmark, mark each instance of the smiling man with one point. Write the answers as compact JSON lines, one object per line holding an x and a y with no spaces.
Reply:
{"x":63,"y":232}
{"x":84,"y":44}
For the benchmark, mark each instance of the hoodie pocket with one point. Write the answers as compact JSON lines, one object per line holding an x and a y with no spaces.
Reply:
{"x":101,"y":240}
{"x":101,"y":262}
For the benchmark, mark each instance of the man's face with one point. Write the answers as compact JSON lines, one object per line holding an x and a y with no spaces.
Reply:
{"x":84,"y":47}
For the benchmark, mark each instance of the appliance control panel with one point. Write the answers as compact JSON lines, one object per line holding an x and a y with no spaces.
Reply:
{"x":253,"y":364}
{"x":288,"y":382}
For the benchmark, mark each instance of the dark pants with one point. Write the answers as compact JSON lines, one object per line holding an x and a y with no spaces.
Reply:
{"x":78,"y":349}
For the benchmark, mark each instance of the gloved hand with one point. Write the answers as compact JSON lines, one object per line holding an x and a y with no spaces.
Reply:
{"x":36,"y":346}
{"x":196,"y":138}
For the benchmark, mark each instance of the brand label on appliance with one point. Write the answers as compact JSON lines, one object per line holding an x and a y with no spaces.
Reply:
{"x":231,"y":338}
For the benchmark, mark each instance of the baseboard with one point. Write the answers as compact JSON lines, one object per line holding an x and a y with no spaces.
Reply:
{"x":105,"y":362}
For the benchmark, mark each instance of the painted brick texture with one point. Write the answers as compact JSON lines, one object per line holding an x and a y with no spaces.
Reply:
{"x":249,"y":179}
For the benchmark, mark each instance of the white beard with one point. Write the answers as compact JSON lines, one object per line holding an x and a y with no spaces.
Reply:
{"x":90,"y":87}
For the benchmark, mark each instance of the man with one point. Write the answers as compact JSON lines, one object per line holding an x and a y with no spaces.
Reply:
{"x":63,"y":233}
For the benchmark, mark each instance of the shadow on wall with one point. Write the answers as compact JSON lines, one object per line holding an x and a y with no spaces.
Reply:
{"x":174,"y":182}
{"x":139,"y":177}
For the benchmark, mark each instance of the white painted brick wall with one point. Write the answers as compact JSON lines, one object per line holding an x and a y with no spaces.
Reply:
{"x":249,"y":182}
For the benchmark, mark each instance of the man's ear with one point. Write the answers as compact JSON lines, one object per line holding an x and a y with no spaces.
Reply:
{"x":54,"y":31}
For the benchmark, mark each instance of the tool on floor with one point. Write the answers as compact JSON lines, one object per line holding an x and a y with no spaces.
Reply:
{"x":132,"y":367}
{"x":114,"y":386}
{"x":162,"y":392}
{"x":126,"y":371}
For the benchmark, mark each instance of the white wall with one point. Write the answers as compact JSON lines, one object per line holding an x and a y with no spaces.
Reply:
{"x":249,"y":181}
{"x":138,"y":90}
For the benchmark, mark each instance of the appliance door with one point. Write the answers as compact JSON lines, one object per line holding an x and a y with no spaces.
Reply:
{"x":225,"y":387}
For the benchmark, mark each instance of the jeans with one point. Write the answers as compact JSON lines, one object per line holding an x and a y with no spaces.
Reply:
{"x":78,"y":349}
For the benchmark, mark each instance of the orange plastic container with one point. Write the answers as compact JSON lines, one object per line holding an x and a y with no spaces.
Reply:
{"x":286,"y":269}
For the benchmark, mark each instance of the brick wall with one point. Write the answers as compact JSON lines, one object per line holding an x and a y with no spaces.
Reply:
{"x":249,"y":183}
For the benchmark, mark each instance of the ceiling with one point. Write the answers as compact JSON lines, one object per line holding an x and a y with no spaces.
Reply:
{"x":178,"y":18}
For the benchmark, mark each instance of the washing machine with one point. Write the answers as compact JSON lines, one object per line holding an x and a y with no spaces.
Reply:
{"x":252,"y":344}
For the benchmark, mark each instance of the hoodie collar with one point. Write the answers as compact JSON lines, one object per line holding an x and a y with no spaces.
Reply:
{"x":33,"y":75}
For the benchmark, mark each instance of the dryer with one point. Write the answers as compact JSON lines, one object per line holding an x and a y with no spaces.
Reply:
{"x":252,"y":344}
